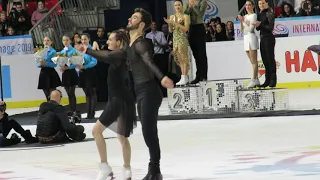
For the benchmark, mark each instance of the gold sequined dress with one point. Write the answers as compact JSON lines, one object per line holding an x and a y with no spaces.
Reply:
{"x":180,"y":42}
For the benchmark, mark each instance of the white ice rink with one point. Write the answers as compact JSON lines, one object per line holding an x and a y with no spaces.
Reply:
{"x":275,"y":148}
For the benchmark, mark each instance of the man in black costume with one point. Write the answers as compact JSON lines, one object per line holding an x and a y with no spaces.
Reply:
{"x":148,"y":93}
{"x":265,"y":25}
{"x":54,"y":125}
{"x":7,"y":125}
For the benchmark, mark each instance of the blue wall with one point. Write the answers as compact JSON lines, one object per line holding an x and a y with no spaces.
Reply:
{"x":6,"y":82}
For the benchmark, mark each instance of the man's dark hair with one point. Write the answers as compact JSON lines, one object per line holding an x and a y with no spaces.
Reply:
{"x":145,"y":17}
{"x":264,"y":0}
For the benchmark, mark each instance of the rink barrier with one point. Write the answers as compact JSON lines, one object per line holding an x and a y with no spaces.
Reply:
{"x":225,"y":96}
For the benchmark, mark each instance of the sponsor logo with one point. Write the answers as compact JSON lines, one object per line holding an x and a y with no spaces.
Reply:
{"x":262,"y":69}
{"x":212,"y":11}
{"x":280,"y":30}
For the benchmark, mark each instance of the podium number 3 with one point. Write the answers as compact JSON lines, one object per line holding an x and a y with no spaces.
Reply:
{"x":178,"y":104}
{"x":250,"y":101}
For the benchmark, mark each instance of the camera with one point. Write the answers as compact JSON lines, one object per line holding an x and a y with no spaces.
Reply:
{"x":74,"y":117}
{"x":306,"y":5}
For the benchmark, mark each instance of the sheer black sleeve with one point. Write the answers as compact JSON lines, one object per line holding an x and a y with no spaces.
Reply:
{"x":143,"y":49}
{"x":61,"y":113}
{"x":111,"y":57}
{"x":269,"y":25}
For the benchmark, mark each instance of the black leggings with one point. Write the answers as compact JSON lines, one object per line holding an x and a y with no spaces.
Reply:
{"x":91,"y":99}
{"x":149,"y":98}
{"x":47,"y":93}
{"x":72,"y":97}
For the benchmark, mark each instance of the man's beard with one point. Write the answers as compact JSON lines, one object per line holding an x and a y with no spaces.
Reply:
{"x":135,"y":27}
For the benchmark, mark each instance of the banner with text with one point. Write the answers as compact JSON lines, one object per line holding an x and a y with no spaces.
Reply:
{"x":295,"y":64}
{"x":288,"y":27}
{"x":16,"y":45}
{"x":227,"y":10}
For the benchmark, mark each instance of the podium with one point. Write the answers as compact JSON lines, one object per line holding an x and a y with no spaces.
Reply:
{"x":185,"y":100}
{"x":262,"y":100}
{"x":220,"y":96}
{"x":226,"y":96}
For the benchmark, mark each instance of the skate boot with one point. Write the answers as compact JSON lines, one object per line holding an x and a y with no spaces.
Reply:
{"x":153,"y":172}
{"x":183,"y":81}
{"x":254,"y":83}
{"x":126,"y":173}
{"x":105,"y":171}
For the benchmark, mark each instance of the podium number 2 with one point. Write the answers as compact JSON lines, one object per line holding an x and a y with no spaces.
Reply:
{"x":209,"y":94}
{"x":178,"y":104}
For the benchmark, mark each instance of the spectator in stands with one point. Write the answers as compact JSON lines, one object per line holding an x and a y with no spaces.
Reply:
{"x":20,"y":20}
{"x":76,"y":40}
{"x":210,"y":34}
{"x":168,"y":37}
{"x":306,"y":9}
{"x":316,"y":6}
{"x":4,"y":23}
{"x":230,"y":31}
{"x":287,"y":10}
{"x":7,"y":125}
{"x":221,"y":34}
{"x":101,"y":40}
{"x":11,"y":6}
{"x":11,"y":31}
{"x":53,"y":124}
{"x":45,"y":27}
{"x":280,"y":3}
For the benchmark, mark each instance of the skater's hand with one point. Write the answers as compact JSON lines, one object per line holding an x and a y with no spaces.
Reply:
{"x":42,"y":63}
{"x":241,"y":18}
{"x":167,"y":20}
{"x":167,"y":82}
{"x":257,"y":24}
{"x":63,"y":68}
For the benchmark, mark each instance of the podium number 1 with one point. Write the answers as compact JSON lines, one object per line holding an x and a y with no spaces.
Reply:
{"x":178,"y":104}
{"x":209,"y":94}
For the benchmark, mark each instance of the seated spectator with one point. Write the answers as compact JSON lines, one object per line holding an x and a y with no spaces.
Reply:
{"x":11,"y":6}
{"x":10,"y":31}
{"x":221,"y":34}
{"x":210,"y":34}
{"x":45,"y":28}
{"x":20,"y":20}
{"x":316,"y":6}
{"x":230,"y":31}
{"x":53,"y":124}
{"x":306,"y":9}
{"x":7,"y":125}
{"x":287,"y":10}
{"x":4,"y":24}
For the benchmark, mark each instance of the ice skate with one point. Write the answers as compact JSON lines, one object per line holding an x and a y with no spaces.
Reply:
{"x":126,"y":173}
{"x":183,"y":81}
{"x":105,"y":171}
{"x":254,"y":83}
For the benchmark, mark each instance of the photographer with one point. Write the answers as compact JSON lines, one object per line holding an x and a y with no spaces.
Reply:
{"x":54,"y":125}
{"x":306,"y":9}
{"x":5,"y":127}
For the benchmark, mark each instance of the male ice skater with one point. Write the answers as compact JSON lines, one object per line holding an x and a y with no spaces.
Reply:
{"x":197,"y":37}
{"x":148,"y":93}
{"x":265,"y":25}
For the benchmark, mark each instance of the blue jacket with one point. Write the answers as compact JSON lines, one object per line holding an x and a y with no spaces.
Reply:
{"x":71,"y":51}
{"x":89,"y":61}
{"x":49,"y":63}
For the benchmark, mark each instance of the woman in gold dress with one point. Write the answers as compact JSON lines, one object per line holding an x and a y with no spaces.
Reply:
{"x":179,"y":25}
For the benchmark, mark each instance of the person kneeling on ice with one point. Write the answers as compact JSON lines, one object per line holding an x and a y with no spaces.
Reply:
{"x":54,"y":125}
{"x":5,"y":127}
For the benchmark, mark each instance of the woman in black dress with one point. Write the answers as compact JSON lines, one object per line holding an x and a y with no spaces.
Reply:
{"x":119,"y":114}
{"x":69,"y":74}
{"x":48,"y":78}
{"x":87,"y":78}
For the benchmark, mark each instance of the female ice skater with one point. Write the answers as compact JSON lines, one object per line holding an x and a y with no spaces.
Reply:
{"x":120,"y":108}
{"x":48,"y":77}
{"x":179,"y":25}
{"x":250,"y":39}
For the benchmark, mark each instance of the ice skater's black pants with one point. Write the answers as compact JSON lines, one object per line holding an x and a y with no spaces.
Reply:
{"x":267,"y":45}
{"x":149,"y":98}
{"x":197,"y":41}
{"x":8,"y":125}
